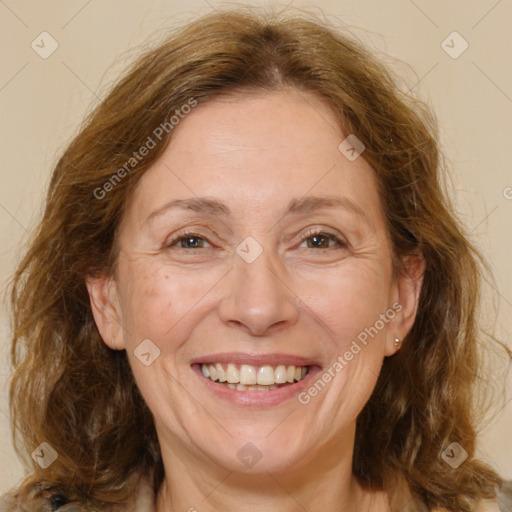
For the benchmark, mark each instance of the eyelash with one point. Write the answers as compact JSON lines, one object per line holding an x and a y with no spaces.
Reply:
{"x":331,"y":236}
{"x":311,"y":233}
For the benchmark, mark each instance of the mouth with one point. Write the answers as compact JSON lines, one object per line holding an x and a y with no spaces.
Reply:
{"x":261,"y":380}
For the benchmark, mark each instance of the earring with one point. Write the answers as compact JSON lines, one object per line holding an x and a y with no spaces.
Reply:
{"x":397,"y":342}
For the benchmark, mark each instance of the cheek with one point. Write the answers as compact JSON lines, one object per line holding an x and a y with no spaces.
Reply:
{"x":351,"y":308}
{"x":349,"y":299}
{"x":148,"y":297}
{"x":161,"y":303}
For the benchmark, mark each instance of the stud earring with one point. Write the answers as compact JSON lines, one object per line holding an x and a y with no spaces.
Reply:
{"x":397,"y":342}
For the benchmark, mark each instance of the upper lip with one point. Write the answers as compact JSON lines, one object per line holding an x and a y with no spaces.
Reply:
{"x":273,"y":359}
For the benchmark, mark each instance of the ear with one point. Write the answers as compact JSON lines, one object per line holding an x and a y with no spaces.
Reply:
{"x":106,"y":310}
{"x":406,"y":294}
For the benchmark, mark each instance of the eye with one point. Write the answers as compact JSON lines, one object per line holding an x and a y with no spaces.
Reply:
{"x":321,"y":239}
{"x":187,"y":240}
{"x":315,"y":238}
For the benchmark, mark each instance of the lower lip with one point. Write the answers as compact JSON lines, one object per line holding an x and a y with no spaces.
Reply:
{"x":257,"y":398}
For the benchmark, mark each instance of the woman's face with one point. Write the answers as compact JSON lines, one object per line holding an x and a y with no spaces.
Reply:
{"x":257,"y":244}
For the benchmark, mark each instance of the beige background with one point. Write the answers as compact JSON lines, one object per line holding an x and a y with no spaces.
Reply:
{"x":43,"y":100}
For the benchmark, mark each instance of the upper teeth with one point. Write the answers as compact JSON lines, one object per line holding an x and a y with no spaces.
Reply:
{"x":249,"y":375}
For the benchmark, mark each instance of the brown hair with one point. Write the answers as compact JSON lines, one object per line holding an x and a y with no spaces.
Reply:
{"x":73,"y":392}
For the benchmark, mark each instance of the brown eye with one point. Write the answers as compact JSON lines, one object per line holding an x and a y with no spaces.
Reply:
{"x":320,"y":240}
{"x":188,"y":241}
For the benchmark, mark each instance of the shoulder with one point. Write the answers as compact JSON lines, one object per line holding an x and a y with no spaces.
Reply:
{"x":36,"y":500}
{"x":489,"y":506}
{"x":484,"y":506}
{"x":38,"y":497}
{"x":502,"y":503}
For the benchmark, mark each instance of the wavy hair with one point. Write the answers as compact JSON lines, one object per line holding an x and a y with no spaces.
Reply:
{"x":70,"y":390}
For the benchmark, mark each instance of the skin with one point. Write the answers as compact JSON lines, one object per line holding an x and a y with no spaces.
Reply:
{"x":256,"y":153}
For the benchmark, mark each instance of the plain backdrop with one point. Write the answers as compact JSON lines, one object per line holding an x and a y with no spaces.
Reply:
{"x":42,"y":102}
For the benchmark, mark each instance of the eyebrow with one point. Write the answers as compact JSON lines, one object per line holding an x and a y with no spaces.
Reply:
{"x":298,"y":206}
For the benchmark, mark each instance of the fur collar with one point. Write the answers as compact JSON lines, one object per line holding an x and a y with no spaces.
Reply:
{"x":44,"y":500}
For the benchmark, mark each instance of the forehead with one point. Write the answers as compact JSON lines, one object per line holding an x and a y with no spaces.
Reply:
{"x":258,"y":153}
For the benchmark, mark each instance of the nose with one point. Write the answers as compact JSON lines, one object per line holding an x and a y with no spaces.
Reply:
{"x":258,"y":299}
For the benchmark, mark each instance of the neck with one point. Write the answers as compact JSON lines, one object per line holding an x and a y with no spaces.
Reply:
{"x":324,"y":482}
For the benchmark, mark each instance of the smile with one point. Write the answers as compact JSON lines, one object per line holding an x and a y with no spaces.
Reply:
{"x":247,"y":377}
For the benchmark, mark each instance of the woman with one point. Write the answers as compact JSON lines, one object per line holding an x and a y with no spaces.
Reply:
{"x":248,"y":291}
